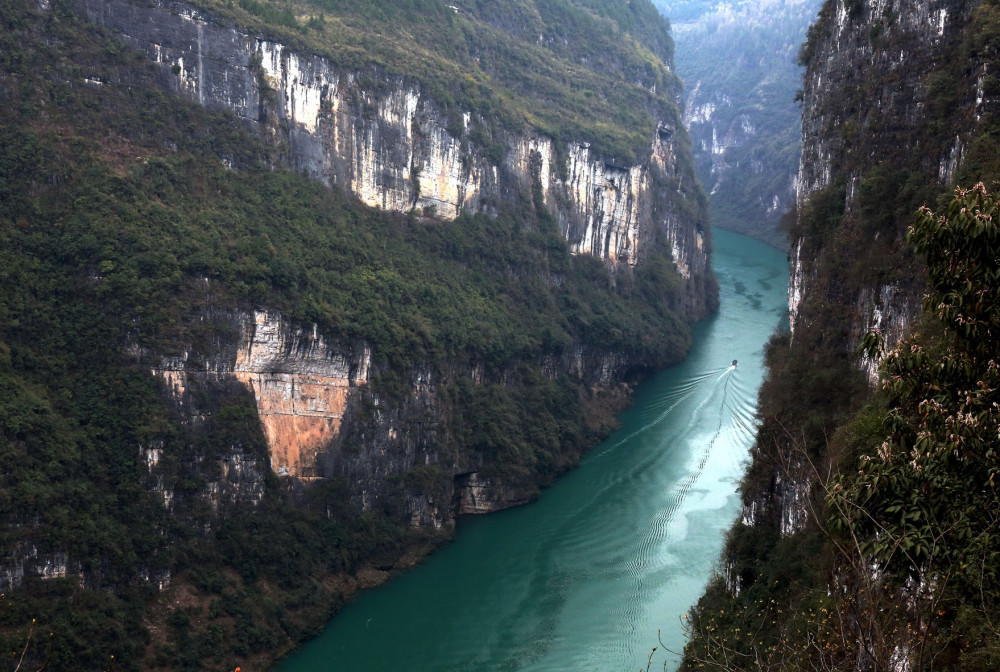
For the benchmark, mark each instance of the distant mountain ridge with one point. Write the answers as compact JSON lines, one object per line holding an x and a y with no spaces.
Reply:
{"x":738,"y":61}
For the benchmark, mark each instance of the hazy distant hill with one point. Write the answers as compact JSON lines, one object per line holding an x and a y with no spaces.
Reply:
{"x":738,"y":61}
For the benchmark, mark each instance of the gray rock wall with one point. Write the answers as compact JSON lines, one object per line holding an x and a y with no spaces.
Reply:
{"x":391,"y":148}
{"x":321,"y":419}
{"x":866,"y":108}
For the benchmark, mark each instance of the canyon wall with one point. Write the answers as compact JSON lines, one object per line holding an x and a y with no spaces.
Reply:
{"x":380,"y":138}
{"x":322,"y":420}
{"x":273,"y":320}
{"x":869,"y":155}
{"x":897,"y":110}
{"x":868,"y":106}
{"x":264,"y":404}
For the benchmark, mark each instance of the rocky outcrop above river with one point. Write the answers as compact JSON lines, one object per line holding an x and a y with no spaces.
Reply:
{"x":867,"y":103}
{"x":380,"y":138}
{"x":321,"y":419}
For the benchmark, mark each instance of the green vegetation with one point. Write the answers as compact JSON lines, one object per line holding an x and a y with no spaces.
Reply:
{"x":923,"y":503}
{"x":906,"y":530}
{"x":121,"y":227}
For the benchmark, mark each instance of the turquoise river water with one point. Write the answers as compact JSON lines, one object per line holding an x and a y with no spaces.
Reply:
{"x":616,"y":550}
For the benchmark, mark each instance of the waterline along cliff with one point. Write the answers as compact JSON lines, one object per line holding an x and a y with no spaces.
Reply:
{"x":287,"y":287}
{"x":863,"y":506}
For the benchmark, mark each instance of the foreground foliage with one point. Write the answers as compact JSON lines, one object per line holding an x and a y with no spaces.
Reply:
{"x":908,"y":564}
{"x":923,"y":504}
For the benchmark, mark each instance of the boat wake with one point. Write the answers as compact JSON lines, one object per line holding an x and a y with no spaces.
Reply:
{"x":664,"y":407}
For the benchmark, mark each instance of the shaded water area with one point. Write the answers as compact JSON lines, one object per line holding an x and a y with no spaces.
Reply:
{"x":618,"y":549}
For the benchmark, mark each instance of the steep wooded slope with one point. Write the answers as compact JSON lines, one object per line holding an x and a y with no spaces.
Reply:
{"x":232,"y":394}
{"x":855,"y":546}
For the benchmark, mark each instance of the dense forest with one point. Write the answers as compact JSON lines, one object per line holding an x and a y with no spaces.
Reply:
{"x":133,"y":222}
{"x":869,"y":534}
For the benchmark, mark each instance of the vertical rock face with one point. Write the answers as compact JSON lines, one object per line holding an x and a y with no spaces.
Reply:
{"x":476,"y":494}
{"x":796,"y":282}
{"x":393,"y":148}
{"x":611,"y":207}
{"x":886,"y":311}
{"x":25,"y":560}
{"x":321,"y":420}
{"x":301,"y":387}
{"x":233,"y":474}
{"x":866,"y":105}
{"x":867,"y":115}
{"x":777,"y":488}
{"x":380,"y":138}
{"x":882,"y":48}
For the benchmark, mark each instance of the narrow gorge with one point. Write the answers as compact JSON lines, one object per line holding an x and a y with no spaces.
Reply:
{"x":739,"y":64}
{"x":394,"y":149}
{"x":601,"y":569}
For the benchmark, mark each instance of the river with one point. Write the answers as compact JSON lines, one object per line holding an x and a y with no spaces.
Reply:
{"x":615,"y":551}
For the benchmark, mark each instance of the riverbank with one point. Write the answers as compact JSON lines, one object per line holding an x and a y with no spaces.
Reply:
{"x":615,"y":550}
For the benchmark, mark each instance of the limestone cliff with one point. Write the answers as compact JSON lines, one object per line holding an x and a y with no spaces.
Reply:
{"x":321,"y":420}
{"x":867,"y":102}
{"x":385,"y":141}
{"x":868,"y":159}
{"x":299,"y":383}
{"x":893,"y":98}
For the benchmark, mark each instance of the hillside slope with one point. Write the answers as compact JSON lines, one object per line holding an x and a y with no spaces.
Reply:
{"x":257,"y":349}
